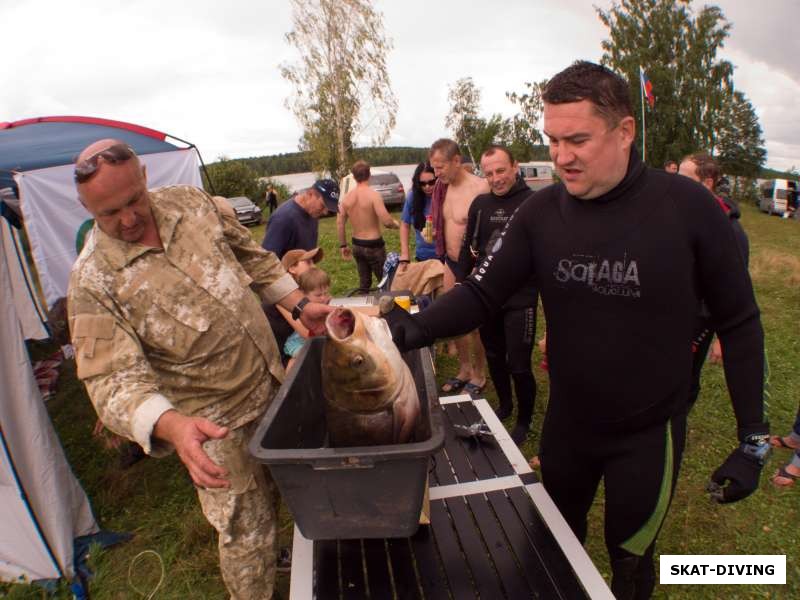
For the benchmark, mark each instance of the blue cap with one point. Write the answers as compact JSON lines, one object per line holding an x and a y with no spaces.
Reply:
{"x":329,"y":190}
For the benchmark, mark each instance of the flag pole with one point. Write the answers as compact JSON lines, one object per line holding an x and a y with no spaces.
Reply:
{"x":644,"y":126}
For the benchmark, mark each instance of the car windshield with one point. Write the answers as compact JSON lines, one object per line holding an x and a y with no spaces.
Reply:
{"x":383,"y":179}
{"x":240,"y":202}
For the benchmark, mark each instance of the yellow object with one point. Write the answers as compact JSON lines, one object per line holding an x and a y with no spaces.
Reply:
{"x":403,"y":302}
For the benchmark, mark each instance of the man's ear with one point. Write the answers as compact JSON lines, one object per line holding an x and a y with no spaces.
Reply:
{"x":627,"y":127}
{"x":144,"y":174}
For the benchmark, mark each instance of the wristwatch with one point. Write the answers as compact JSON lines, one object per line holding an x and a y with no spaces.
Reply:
{"x":757,"y":446}
{"x":299,"y":308}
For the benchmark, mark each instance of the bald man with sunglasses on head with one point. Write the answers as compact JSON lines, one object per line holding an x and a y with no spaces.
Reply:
{"x":174,"y":348}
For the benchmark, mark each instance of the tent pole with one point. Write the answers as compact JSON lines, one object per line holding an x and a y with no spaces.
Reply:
{"x":202,"y":164}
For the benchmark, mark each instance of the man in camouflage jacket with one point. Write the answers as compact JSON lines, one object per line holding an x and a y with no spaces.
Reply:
{"x":173,"y":346}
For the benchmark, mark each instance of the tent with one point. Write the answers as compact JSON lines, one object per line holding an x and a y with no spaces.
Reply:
{"x":29,"y":310}
{"x":36,"y":163}
{"x":43,"y":507}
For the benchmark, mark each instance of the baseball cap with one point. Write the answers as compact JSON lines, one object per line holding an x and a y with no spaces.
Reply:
{"x":292,"y":257}
{"x":329,"y":190}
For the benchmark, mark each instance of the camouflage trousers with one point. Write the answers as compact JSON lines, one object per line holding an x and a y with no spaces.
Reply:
{"x":245,"y":517}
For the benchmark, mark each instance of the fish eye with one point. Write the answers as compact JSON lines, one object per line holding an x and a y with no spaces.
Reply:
{"x":356,"y":361}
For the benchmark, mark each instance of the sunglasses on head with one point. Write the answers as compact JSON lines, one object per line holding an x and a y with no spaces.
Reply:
{"x":118,"y":153}
{"x":428,"y":182}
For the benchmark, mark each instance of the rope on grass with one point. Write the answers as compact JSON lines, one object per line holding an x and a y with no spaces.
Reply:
{"x":160,"y":581}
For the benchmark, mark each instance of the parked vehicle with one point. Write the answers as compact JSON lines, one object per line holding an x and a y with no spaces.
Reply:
{"x":247,"y":212}
{"x":537,"y":174}
{"x":387,"y":184}
{"x":778,"y":196}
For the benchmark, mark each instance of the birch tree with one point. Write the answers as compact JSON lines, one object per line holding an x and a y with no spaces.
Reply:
{"x":341,"y":88}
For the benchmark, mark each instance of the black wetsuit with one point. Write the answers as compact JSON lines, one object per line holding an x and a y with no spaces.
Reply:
{"x":507,"y":336}
{"x":704,"y":332}
{"x":621,"y":277}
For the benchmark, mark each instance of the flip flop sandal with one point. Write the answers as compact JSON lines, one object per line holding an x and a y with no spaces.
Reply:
{"x":474,"y":390}
{"x":782,"y":472}
{"x":777,"y":441}
{"x":454,"y":384}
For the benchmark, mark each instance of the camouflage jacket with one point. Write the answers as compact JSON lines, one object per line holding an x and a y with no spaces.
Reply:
{"x":178,"y":327}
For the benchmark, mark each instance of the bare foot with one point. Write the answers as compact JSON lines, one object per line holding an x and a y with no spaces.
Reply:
{"x":785,"y":477}
{"x":785,"y":441}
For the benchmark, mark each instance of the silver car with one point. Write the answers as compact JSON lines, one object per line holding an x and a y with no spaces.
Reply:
{"x":389,"y":187}
{"x":247,"y":212}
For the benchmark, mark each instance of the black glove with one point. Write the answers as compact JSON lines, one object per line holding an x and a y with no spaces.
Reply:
{"x":407,"y":332}
{"x":741,"y":472}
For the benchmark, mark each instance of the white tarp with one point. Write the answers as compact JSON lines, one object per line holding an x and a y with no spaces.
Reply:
{"x":42,"y":506}
{"x":29,"y":310}
{"x":53,"y":214}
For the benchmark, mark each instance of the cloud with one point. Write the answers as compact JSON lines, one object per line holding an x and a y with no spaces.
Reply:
{"x":208,"y":73}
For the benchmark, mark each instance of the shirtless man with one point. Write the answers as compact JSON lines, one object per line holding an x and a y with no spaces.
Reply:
{"x":366,"y":211}
{"x":462,"y":187}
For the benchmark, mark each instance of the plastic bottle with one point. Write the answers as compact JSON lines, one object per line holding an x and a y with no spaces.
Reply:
{"x":427,"y":232}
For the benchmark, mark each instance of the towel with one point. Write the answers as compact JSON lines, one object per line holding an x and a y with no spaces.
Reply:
{"x":437,"y":216}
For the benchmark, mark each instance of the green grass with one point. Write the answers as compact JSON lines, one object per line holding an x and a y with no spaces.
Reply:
{"x":155,"y":499}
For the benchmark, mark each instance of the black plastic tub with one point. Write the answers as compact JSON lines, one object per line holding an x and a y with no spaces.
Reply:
{"x":354,"y":492}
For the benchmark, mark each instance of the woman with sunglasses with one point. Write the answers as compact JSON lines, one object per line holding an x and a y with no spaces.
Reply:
{"x":416,"y":213}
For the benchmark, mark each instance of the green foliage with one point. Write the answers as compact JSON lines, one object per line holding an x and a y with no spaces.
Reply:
{"x":521,"y":134}
{"x":300,"y":162}
{"x":341,"y":82}
{"x":792,"y":173}
{"x":474,"y":133}
{"x":463,"y":119}
{"x":232,"y":178}
{"x":695,"y":108}
{"x":281,"y":191}
{"x":740,"y":148}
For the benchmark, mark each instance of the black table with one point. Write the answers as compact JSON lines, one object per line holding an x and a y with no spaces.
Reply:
{"x":494,"y":533}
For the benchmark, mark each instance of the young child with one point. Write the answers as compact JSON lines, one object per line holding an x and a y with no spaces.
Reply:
{"x":296,"y":262}
{"x":316,"y":285}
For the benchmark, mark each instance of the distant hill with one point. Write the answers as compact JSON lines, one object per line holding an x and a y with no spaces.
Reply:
{"x":298,"y":162}
{"x":773,"y":174}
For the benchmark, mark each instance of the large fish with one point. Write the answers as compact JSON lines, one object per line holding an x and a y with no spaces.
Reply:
{"x":370,"y":394}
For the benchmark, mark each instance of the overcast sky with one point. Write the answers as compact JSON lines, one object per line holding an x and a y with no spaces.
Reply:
{"x":207,"y":71}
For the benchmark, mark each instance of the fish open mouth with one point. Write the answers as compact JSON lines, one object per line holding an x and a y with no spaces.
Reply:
{"x":341,"y":323}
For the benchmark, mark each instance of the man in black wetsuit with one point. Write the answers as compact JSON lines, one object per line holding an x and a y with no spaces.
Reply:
{"x":507,"y":336}
{"x":621,"y":255}
{"x":703,"y":169}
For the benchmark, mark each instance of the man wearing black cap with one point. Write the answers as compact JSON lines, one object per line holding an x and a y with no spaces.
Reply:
{"x":294,"y":224}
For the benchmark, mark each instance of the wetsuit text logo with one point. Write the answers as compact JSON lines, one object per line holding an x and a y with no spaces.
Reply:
{"x":603,"y":276}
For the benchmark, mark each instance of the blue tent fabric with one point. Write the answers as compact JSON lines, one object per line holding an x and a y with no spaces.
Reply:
{"x":38,"y":145}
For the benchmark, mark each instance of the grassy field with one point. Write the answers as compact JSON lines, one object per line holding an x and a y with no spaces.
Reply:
{"x":155,"y":501}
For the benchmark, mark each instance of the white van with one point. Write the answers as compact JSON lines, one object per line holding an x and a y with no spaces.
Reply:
{"x":777,"y":195}
{"x":537,"y":174}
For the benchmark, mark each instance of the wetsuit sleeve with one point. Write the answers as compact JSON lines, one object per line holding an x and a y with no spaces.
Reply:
{"x":726,"y":287}
{"x":465,"y":261}
{"x":741,"y":239}
{"x":484,"y":292}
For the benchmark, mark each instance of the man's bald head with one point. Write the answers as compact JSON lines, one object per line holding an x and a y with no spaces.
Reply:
{"x":101,"y":154}
{"x":112,"y":185}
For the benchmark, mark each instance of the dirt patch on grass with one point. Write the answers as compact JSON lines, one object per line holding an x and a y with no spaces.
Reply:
{"x":770,"y":263}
